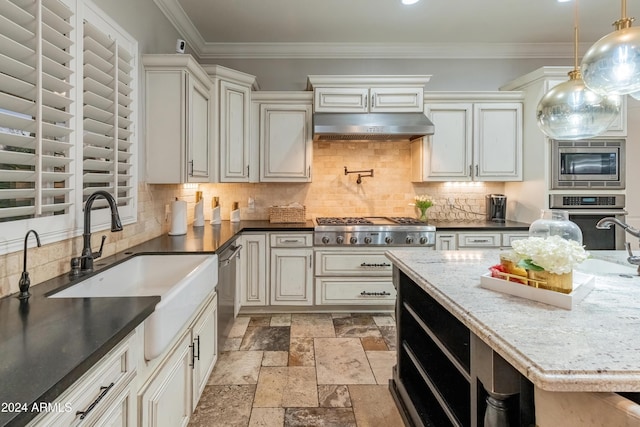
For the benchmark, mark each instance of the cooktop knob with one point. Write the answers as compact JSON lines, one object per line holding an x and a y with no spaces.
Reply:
{"x":367,"y":240}
{"x":409,"y":240}
{"x":353,"y":240}
{"x":423,"y":240}
{"x":340,"y":240}
{"x":388,"y":240}
{"x":325,"y":240}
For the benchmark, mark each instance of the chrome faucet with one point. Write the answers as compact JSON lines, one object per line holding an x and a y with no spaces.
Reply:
{"x":25,"y":282}
{"x":84,"y":263}
{"x":606,"y":223}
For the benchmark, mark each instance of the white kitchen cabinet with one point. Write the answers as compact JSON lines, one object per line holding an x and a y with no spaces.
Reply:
{"x":348,"y":276}
{"x":232,"y":90}
{"x":172,"y":392}
{"x":465,"y":240}
{"x":291,"y":268}
{"x":368,"y":100}
{"x":283,"y":125}
{"x":446,"y":241}
{"x":178,"y":120}
{"x":253,"y":270}
{"x":104,"y":396}
{"x":473,"y":141}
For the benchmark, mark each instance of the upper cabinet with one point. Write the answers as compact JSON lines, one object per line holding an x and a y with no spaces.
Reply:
{"x":178,"y":120}
{"x":368,"y":100}
{"x":232,"y":95}
{"x":478,"y":137}
{"x":367,"y":94}
{"x":281,"y":129}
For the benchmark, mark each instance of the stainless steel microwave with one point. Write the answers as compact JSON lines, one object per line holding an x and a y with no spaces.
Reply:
{"x":588,"y":164}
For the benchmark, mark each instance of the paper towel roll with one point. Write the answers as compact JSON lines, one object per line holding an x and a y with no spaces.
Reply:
{"x":178,"y":218}
{"x":235,"y":215}
{"x":198,"y":214}
{"x":215,"y":215}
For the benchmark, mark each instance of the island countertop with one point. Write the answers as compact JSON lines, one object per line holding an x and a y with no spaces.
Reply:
{"x":593,"y":347}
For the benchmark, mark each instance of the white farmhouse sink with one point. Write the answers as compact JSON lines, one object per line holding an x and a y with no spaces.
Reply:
{"x":182,"y":282}
{"x":605,"y":268}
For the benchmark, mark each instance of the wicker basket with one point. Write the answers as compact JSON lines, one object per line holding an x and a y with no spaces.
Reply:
{"x":284,"y":214}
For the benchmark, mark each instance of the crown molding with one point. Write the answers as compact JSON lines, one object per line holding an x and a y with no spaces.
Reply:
{"x":386,"y":51}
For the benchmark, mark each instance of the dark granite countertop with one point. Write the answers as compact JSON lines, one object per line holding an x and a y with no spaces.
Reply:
{"x":49,"y":343}
{"x":480,"y":226}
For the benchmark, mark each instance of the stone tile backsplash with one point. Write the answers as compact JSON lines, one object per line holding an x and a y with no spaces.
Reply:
{"x":332,"y":193}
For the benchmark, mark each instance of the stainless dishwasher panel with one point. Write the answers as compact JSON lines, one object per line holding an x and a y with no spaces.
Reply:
{"x":227,"y":261}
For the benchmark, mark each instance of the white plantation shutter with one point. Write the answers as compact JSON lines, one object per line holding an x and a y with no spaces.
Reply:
{"x":108,"y":142}
{"x":36,"y":147}
{"x":68,"y":92}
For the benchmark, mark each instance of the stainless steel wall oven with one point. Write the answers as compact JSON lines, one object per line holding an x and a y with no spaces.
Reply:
{"x":587,"y":210}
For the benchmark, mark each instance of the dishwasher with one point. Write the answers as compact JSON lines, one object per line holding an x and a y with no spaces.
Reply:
{"x":227,"y":262}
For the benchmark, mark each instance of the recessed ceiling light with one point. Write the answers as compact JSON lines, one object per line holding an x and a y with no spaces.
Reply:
{"x":410,"y":1}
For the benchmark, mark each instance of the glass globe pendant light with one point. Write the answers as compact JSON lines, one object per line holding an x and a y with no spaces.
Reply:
{"x":571,"y":110}
{"x":612,"y":65}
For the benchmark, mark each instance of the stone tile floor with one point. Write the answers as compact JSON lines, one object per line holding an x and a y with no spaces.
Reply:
{"x":303,"y":370}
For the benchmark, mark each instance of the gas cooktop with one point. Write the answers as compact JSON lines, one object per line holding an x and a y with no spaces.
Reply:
{"x":373,"y":231}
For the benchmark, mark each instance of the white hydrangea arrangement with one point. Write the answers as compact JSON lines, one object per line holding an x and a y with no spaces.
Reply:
{"x":553,"y":254}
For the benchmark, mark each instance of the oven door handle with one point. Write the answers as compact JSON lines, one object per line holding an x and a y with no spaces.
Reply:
{"x":606,"y":212}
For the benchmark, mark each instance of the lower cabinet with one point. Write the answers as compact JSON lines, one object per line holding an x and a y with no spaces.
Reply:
{"x":171,"y":394}
{"x":291,"y":268}
{"x":104,"y":396}
{"x":449,"y":241}
{"x":253,"y":270}
{"x":354,"y":277}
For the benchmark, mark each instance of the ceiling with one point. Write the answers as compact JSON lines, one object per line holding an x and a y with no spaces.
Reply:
{"x":387,"y":29}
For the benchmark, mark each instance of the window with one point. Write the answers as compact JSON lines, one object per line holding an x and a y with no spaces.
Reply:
{"x":67,"y":115}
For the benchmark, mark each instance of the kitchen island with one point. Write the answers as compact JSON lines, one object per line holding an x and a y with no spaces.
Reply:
{"x":577,"y":357}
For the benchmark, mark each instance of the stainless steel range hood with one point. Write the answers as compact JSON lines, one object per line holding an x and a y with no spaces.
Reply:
{"x":371,"y":126}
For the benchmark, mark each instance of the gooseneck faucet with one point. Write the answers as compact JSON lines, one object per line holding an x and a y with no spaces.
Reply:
{"x":606,"y":223}
{"x":84,"y":263}
{"x":25,"y":282}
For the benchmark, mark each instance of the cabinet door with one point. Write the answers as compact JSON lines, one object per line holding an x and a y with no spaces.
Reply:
{"x":285,"y":143}
{"x":498,"y":141}
{"x":291,"y":276}
{"x":396,"y":100}
{"x":234,"y":132}
{"x":165,"y":126}
{"x":446,"y":242}
{"x":199,"y":137}
{"x":447,"y":153}
{"x":205,"y":341}
{"x":340,"y":100}
{"x":167,"y":400}
{"x":253,"y":270}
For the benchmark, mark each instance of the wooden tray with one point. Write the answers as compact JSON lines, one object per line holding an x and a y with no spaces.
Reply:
{"x":582,"y":285}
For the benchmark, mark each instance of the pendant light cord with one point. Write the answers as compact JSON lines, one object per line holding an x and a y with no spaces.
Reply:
{"x":575,"y":36}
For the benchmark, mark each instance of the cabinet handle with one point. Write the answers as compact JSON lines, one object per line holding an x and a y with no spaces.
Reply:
{"x":470,"y":170}
{"x":375,"y":294}
{"x":366,"y":102}
{"x":476,"y":170}
{"x":103,"y":391}
{"x":309,"y":172}
{"x":310,"y":262}
{"x":480,"y":241}
{"x":192,"y":346}
{"x":247,"y":171}
{"x":373,"y":100}
{"x":198,"y":353}
{"x":291,"y":241}
{"x":190,"y":167}
{"x":383,"y":265}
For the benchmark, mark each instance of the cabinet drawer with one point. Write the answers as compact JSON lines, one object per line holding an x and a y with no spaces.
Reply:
{"x":508,"y":238}
{"x":354,"y":263}
{"x":96,"y":391}
{"x":355,"y":291}
{"x":479,"y":240}
{"x":291,"y":240}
